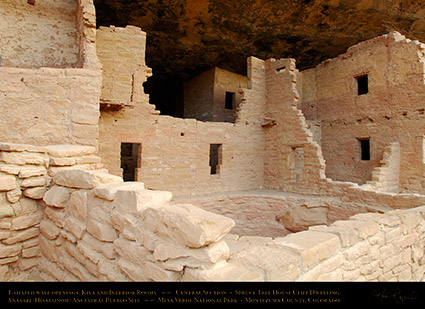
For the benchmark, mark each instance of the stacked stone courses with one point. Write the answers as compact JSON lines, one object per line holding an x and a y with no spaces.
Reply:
{"x":90,"y":225}
{"x":292,"y":196}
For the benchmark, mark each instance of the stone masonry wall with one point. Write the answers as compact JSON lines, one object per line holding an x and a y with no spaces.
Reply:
{"x":90,"y":225}
{"x":391,"y":110}
{"x":367,"y":247}
{"x":276,"y":214}
{"x":64,"y":105}
{"x":25,"y":175}
{"x":98,"y":228}
{"x":174,"y":151}
{"x":40,"y":35}
{"x":292,"y":158}
{"x":45,"y":103}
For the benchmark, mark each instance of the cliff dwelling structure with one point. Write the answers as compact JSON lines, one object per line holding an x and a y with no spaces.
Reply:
{"x":278,"y":173}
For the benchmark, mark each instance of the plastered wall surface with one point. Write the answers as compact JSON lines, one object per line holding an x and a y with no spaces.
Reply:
{"x":40,"y":35}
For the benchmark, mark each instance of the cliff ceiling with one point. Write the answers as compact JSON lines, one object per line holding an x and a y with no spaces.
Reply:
{"x":186,"y":37}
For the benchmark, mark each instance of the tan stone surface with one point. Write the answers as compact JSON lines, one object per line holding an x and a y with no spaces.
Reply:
{"x":84,"y":179}
{"x":188,"y":224}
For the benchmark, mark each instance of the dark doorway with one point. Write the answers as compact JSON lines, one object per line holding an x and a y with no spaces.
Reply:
{"x":362,"y":85}
{"x":230,"y":100}
{"x":364,"y":149}
{"x":130,"y":160}
{"x":215,"y":158}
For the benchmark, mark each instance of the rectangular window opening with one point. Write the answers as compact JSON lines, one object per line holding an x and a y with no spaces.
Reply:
{"x":362,"y":84}
{"x":130,"y":160}
{"x":229,"y":100}
{"x":215,"y":158}
{"x":364,"y":149}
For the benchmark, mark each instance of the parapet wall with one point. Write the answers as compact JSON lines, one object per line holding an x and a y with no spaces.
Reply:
{"x":90,"y":225}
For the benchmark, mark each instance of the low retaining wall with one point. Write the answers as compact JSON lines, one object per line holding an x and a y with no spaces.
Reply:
{"x":275,"y":214}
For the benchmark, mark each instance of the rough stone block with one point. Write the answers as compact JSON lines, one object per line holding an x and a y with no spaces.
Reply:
{"x":77,"y":204}
{"x":31,"y":170}
{"x":221,"y":272}
{"x":57,"y":197}
{"x":191,"y":257}
{"x":36,"y":193}
{"x":275,"y":264}
{"x":347,"y":236}
{"x":83,"y":179}
{"x":49,"y":230}
{"x":312,"y":246}
{"x":7,"y":182}
{"x":101,"y":231}
{"x":6,"y":210}
{"x":105,"y":248}
{"x":62,"y":161}
{"x":8,"y":251}
{"x":62,"y":151}
{"x":33,"y":182}
{"x":26,"y":221}
{"x":136,"y":201}
{"x":157,"y":273}
{"x":132,"y":271}
{"x":125,"y":223}
{"x":300,"y":218}
{"x":75,"y":226}
{"x":187,"y":224}
{"x":21,"y":147}
{"x":131,"y":251}
{"x":22,"y":236}
{"x":56,"y":215}
{"x":89,"y":252}
{"x":9,"y":168}
{"x":108,"y":191}
{"x":21,"y":158}
{"x":364,"y":228}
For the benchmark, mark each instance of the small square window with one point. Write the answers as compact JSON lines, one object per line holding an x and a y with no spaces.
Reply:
{"x":229,"y":100}
{"x":362,"y":84}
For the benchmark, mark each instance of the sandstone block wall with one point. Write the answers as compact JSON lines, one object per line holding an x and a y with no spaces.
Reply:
{"x":89,"y":225}
{"x":205,"y":95}
{"x":25,"y":175}
{"x":108,"y":230}
{"x":276,"y":214}
{"x":49,"y":106}
{"x":40,"y":35}
{"x":95,"y":227}
{"x":119,"y":74}
{"x":292,"y":158}
{"x":55,"y":98}
{"x":391,"y":110}
{"x":175,"y":152}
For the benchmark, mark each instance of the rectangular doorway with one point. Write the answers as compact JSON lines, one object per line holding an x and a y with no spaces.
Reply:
{"x":364,"y":151}
{"x":130,"y":160}
{"x":215,"y":158}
